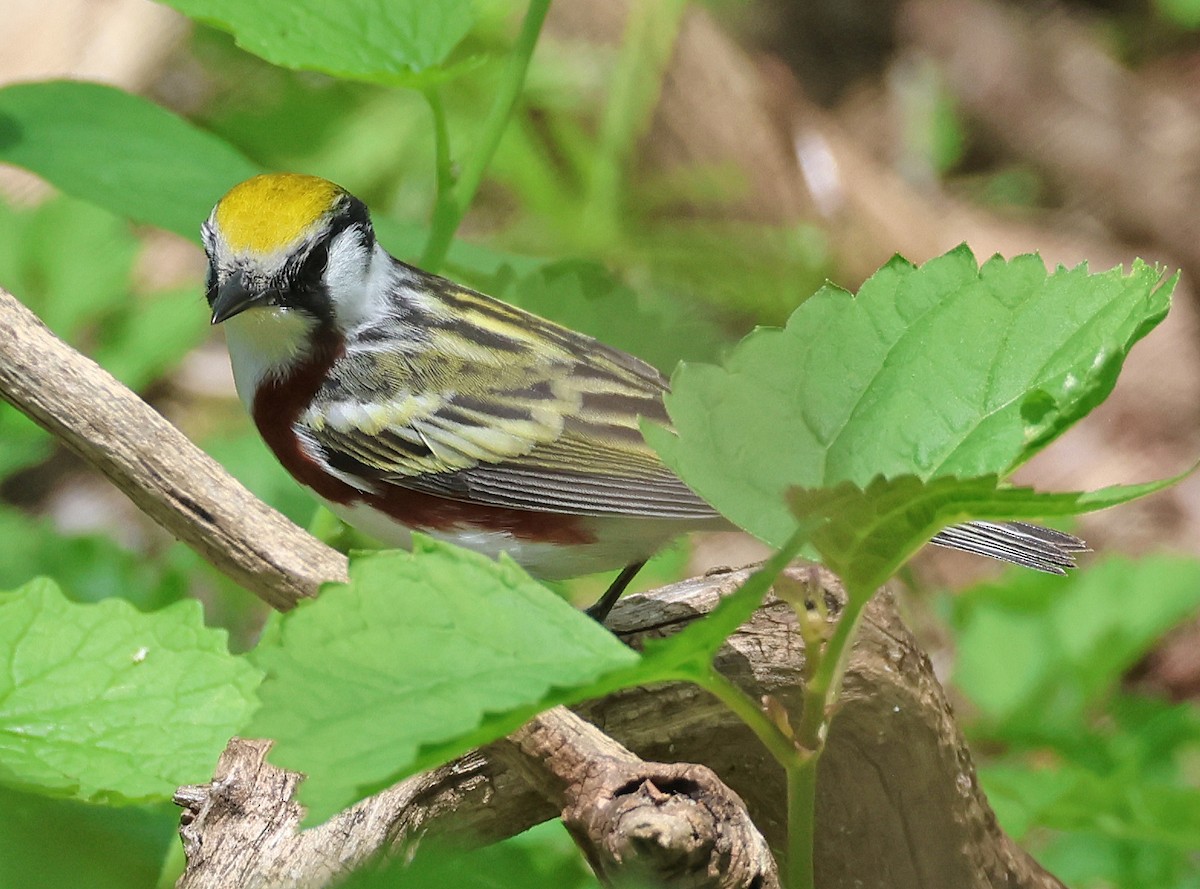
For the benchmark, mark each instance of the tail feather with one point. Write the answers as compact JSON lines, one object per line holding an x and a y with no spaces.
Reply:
{"x":1020,"y":543}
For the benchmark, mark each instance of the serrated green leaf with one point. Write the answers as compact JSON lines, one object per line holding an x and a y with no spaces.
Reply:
{"x":102,"y":702}
{"x":865,"y":535}
{"x":417,"y":649}
{"x":119,"y":151}
{"x":383,"y":41}
{"x":943,"y":370}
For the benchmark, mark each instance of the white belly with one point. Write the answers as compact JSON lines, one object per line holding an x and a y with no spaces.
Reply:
{"x":619,"y":542}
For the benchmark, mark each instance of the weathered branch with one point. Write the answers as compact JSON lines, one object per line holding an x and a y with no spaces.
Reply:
{"x":169,"y":478}
{"x":666,"y":824}
{"x":898,"y":804}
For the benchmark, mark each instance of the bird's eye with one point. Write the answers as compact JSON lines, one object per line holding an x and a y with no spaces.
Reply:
{"x":210,"y":284}
{"x":312,"y":270}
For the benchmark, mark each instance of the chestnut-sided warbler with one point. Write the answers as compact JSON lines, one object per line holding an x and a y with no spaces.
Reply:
{"x":407,"y":402}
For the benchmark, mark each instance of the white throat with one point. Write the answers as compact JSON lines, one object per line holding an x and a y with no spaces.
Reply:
{"x":265,"y":342}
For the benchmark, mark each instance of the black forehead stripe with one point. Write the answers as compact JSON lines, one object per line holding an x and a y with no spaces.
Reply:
{"x":349,"y":211}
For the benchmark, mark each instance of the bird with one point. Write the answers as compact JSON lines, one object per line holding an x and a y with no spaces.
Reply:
{"x":408,"y":403}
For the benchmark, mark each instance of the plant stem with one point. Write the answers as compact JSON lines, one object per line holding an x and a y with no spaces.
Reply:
{"x":455,"y":197}
{"x":444,"y":218}
{"x":825,"y":679}
{"x":801,"y":823}
{"x":650,"y":32}
{"x":749,"y":712}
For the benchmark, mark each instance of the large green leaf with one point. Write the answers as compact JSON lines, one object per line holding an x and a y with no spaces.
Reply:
{"x":119,"y":151}
{"x":944,"y":370}
{"x":384,"y":41}
{"x":103,"y":702}
{"x":440,"y":646}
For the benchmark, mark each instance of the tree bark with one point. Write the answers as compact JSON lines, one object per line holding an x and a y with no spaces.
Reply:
{"x":898,"y":804}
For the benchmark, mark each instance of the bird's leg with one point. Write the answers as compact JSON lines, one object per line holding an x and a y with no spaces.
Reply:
{"x":599,"y":611}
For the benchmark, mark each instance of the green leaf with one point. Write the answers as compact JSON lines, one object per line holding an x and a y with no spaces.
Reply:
{"x":64,"y":844}
{"x":69,"y":261}
{"x":544,"y":857}
{"x":383,"y":41}
{"x":88,"y":567}
{"x":864,"y":536}
{"x":947,"y":369}
{"x":1185,"y":13}
{"x":119,"y":151}
{"x":22,"y":442}
{"x":1034,"y":653}
{"x":1077,"y":799}
{"x":440,"y":646}
{"x":151,"y":336}
{"x":102,"y":702}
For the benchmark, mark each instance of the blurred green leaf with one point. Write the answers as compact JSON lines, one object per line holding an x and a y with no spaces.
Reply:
{"x":72,"y":263}
{"x":64,"y":844}
{"x":392,"y":42}
{"x":104,"y":703}
{"x":1075,"y":799}
{"x":1086,"y":860}
{"x":440,"y":646}
{"x":944,"y":370}
{"x":544,"y":857}
{"x":151,"y":335}
{"x":22,"y":442}
{"x":88,"y":568}
{"x":1035,"y":652}
{"x":1185,"y":13}
{"x":67,"y":260}
{"x":251,"y":462}
{"x":119,"y":151}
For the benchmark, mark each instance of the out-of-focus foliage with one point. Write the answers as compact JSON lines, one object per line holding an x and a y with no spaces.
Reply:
{"x":1101,"y":781}
{"x":1096,"y":778}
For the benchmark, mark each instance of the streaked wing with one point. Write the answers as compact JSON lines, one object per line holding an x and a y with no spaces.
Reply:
{"x":510,"y":411}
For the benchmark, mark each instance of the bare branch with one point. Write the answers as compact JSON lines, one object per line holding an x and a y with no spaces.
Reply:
{"x":667,"y":824}
{"x":168,"y":477}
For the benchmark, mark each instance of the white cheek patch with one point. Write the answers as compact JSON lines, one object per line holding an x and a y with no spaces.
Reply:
{"x":358,"y":281}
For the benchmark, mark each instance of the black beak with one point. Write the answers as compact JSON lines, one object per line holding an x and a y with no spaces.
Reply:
{"x":233,"y":298}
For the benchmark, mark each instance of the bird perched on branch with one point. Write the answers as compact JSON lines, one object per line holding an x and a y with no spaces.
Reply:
{"x":407,"y":402}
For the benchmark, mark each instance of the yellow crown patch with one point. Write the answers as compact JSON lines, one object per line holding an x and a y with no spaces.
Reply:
{"x":270,"y":212}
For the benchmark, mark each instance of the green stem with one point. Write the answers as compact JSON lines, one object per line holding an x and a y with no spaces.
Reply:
{"x":443,"y":208}
{"x":748,"y":711}
{"x":453,"y":201}
{"x":801,"y":823}
{"x":822,"y":685}
{"x":650,"y":32}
